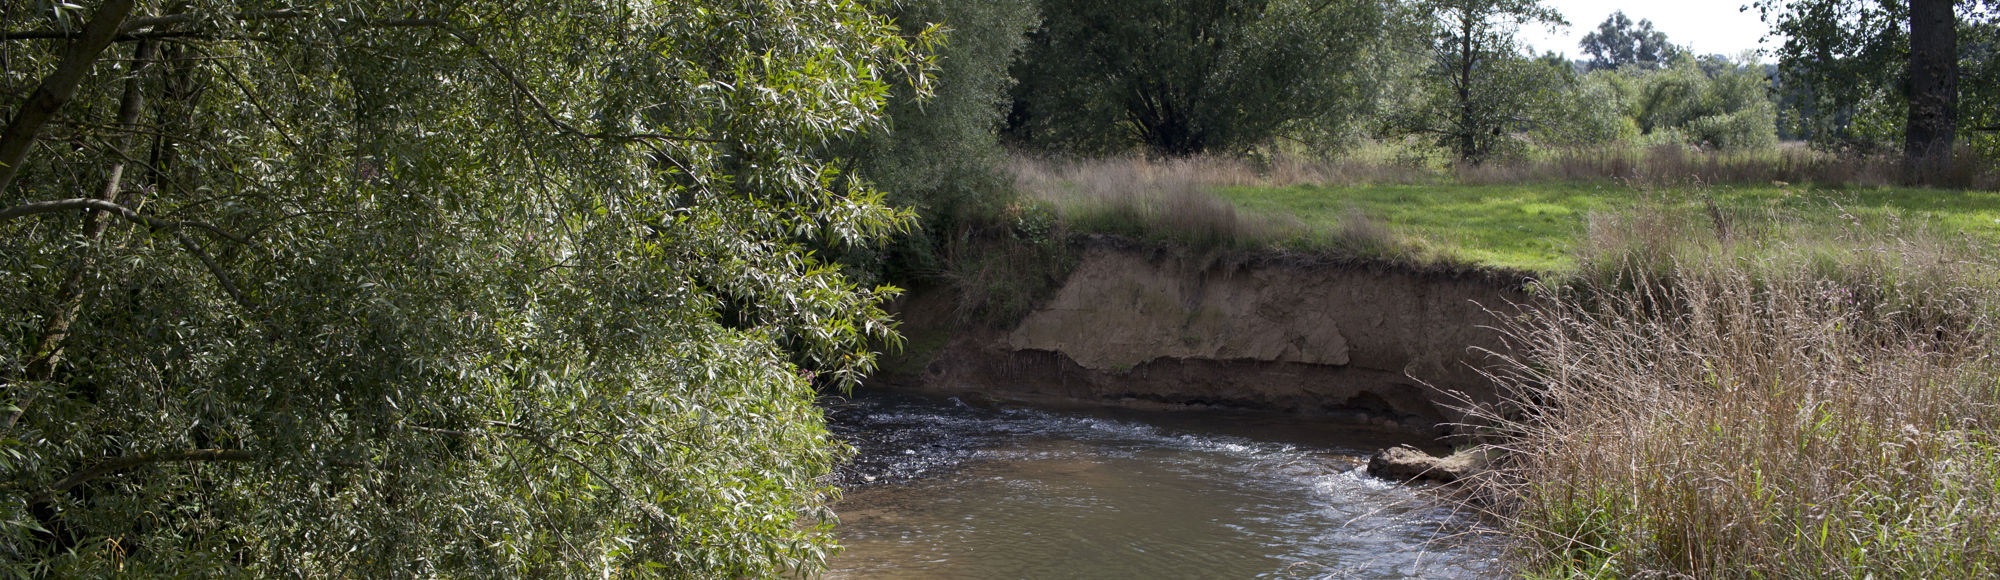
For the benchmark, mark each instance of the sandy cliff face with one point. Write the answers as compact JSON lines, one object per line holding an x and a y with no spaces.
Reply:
{"x":1155,"y":326}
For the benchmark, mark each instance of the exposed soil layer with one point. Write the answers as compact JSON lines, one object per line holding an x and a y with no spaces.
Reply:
{"x":1155,"y":326}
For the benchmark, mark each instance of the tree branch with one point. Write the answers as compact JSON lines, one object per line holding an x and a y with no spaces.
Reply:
{"x":138,"y":29}
{"x":542,"y":109}
{"x":117,"y":464}
{"x":215,"y":270}
{"x":40,"y":207}
{"x":259,"y":105}
{"x":66,"y":35}
{"x":56,"y":89}
{"x":37,"y":207}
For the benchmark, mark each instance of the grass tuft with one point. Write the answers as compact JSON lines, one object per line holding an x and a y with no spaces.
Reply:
{"x":1176,"y":201}
{"x":1821,"y":407}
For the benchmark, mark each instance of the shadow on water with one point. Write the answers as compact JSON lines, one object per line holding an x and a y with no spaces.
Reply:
{"x":942,"y":489}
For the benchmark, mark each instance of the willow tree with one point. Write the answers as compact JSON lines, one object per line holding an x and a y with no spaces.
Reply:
{"x":468,"y":289}
{"x":1182,"y":77}
{"x":1478,"y":87}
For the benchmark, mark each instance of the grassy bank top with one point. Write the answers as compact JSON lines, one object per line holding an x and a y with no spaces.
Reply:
{"x":1540,"y":226}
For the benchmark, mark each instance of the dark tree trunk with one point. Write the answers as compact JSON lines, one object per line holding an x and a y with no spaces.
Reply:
{"x":48,"y":353}
{"x":1933,"y":121}
{"x":1468,"y":144}
{"x":56,"y":89}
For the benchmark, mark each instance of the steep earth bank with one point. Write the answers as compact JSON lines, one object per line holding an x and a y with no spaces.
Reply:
{"x":1154,"y":326}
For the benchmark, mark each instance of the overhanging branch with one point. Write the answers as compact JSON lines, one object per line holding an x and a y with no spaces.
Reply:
{"x":208,"y":262}
{"x":542,"y":110}
{"x":39,"y":207}
{"x":158,"y":26}
{"x":117,"y":464}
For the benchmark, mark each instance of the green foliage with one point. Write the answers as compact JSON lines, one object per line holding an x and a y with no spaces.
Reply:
{"x":941,"y":154}
{"x":1838,"y":55}
{"x":1728,"y":110}
{"x":1712,"y":104}
{"x":1979,"y":89}
{"x":1842,"y":68}
{"x":1619,"y":43}
{"x":485,"y":289}
{"x":1590,"y":110}
{"x":1180,"y":77}
{"x":1479,"y":90}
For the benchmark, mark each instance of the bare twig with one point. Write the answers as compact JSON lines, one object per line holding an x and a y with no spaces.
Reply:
{"x":215,"y":270}
{"x":258,"y":104}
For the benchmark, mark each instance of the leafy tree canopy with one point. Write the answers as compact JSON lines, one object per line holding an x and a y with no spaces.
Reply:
{"x":1618,"y":42}
{"x":942,"y":150}
{"x":1186,"y":76}
{"x":1844,"y":68}
{"x":468,"y":289}
{"x":1729,"y":109}
{"x":1478,"y":88}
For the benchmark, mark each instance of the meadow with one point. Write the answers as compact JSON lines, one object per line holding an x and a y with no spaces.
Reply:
{"x":1500,"y":217}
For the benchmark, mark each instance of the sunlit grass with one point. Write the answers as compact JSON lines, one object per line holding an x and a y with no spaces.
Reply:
{"x":1538,"y":227}
{"x":1513,"y":226}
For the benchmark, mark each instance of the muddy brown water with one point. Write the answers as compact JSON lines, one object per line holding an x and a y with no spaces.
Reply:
{"x":942,"y":489}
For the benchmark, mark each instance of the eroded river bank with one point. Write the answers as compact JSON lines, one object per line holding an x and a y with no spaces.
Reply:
{"x":946,"y":489}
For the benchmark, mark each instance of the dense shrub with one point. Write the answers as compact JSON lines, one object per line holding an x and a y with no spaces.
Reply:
{"x":1726,"y":110}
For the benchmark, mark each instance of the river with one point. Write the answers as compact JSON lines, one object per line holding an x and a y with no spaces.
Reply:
{"x":942,"y":489}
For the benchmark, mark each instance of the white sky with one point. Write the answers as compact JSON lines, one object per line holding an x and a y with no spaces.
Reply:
{"x":1704,"y":26}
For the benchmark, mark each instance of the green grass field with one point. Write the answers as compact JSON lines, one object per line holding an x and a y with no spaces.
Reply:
{"x":1535,"y":227}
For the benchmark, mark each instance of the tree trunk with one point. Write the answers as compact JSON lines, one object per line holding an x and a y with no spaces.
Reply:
{"x":1468,"y":144}
{"x":56,"y":89}
{"x":1933,"y":92}
{"x":48,"y":353}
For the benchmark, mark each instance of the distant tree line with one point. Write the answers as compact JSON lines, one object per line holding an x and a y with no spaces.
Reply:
{"x":1181,"y":77}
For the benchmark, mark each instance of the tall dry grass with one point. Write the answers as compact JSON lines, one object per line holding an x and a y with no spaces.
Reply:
{"x":1696,"y":412}
{"x":1671,"y":166}
{"x":1650,"y":167}
{"x":1172,"y":200}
